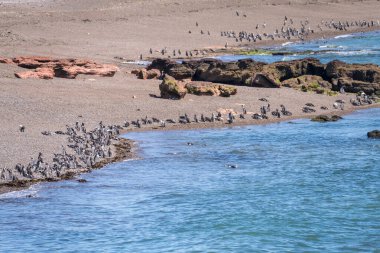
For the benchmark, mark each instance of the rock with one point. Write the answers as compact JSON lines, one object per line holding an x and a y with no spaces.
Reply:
{"x":180,"y":71}
{"x":142,"y":74}
{"x":326,"y":118}
{"x":153,"y":73}
{"x":66,"y":68}
{"x":146,"y":74}
{"x":161,"y":64}
{"x":308,"y":83}
{"x":135,"y":72}
{"x":171,"y":89}
{"x":203,"y":88}
{"x":375,"y":134}
{"x":355,"y":86}
{"x":40,"y":73}
{"x":292,"y":69}
{"x":105,"y":70}
{"x":210,"y":89}
{"x":227,"y":91}
{"x":6,"y":60}
{"x":307,"y":74}
{"x":264,"y":80}
{"x":354,"y":77}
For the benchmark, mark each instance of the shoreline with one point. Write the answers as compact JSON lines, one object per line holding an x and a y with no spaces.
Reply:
{"x":246,"y":122}
{"x":125,"y":149}
{"x":270,"y":46}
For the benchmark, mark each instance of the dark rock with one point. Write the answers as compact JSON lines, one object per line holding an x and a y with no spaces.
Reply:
{"x":161,"y":64}
{"x":354,"y":77}
{"x":326,"y":118}
{"x":375,"y":134}
{"x":82,"y":180}
{"x":355,"y":86}
{"x":180,"y":71}
{"x":265,"y":81}
{"x":210,"y":89}
{"x":172,"y":89}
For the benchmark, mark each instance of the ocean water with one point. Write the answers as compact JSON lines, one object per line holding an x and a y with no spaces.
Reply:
{"x":351,"y":48}
{"x":296,"y":186}
{"x":299,"y":186}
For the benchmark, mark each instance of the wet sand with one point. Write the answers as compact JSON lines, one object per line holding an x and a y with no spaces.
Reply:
{"x":107,"y":29}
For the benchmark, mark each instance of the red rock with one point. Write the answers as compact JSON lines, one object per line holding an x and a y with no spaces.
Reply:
{"x":72,"y":71}
{"x":146,"y":74}
{"x":6,"y":60}
{"x":153,"y":73}
{"x":40,"y":73}
{"x":47,"y":67}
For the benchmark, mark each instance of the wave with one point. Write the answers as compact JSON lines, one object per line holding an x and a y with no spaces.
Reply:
{"x":343,"y":36}
{"x":286,"y":43}
{"x":27,"y":193}
{"x":357,"y":52}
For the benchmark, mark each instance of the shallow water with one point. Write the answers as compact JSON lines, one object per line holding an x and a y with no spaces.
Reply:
{"x":299,"y":186}
{"x":351,"y":48}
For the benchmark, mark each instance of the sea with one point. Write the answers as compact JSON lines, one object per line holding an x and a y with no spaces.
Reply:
{"x":296,"y":186}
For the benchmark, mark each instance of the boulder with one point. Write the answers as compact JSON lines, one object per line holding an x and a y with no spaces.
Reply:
{"x":375,"y":134}
{"x":227,"y":91}
{"x":210,"y":89}
{"x":203,"y":88}
{"x":40,"y":73}
{"x":264,"y":80}
{"x":153,"y":73}
{"x":326,"y":118}
{"x":172,"y":89}
{"x":308,"y":83}
{"x":146,"y":74}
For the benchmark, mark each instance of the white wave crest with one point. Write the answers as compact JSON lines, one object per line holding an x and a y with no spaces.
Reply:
{"x":343,"y":36}
{"x":30,"y":192}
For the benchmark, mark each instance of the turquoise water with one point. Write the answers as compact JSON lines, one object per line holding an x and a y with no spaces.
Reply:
{"x":351,"y":48}
{"x":299,"y":186}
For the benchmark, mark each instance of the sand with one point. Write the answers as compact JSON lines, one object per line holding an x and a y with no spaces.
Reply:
{"x":102,"y":30}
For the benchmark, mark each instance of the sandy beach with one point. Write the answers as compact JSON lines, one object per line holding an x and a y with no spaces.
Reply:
{"x":107,"y":29}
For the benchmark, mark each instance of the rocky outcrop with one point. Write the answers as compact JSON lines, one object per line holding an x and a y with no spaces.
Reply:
{"x":39,"y":73}
{"x":326,"y":118}
{"x":238,"y":73}
{"x":307,"y":74}
{"x":355,"y":86}
{"x":47,"y":68}
{"x":375,"y":134}
{"x":71,"y":72}
{"x":210,"y":89}
{"x":354,"y":77}
{"x":172,"y":89}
